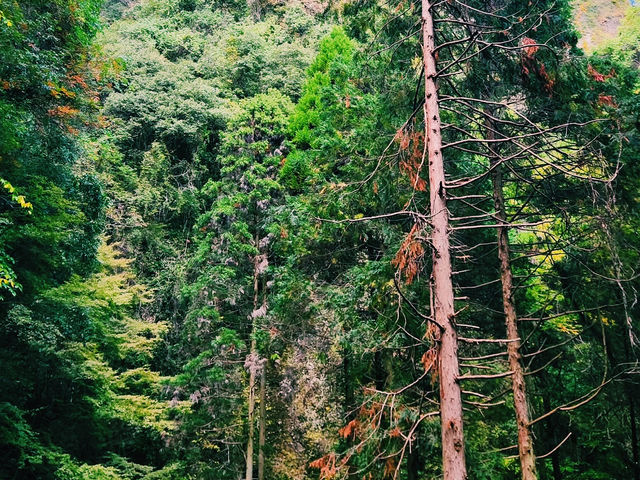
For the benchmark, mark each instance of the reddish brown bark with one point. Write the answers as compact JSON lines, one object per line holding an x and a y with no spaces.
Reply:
{"x":525,"y":439}
{"x":453,"y":457}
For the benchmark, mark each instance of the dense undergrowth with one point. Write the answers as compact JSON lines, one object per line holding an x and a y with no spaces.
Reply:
{"x":185,"y":185}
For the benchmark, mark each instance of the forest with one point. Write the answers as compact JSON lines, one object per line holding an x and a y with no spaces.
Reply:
{"x":319,"y":239}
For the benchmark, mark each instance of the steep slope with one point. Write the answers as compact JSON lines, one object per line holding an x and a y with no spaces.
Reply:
{"x":197,"y":117}
{"x":598,"y":21}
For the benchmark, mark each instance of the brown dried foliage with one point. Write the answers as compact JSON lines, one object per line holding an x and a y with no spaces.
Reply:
{"x":530,"y":47}
{"x":607,"y":100}
{"x":63,"y":111}
{"x":408,"y":260}
{"x":530,"y":63}
{"x":412,"y":144}
{"x":326,"y":465}
{"x":389,"y":468}
{"x":350,"y":429}
{"x":599,"y":77}
{"x":429,"y":361}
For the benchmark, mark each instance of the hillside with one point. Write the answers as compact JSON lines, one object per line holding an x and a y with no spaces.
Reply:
{"x":598,"y":21}
{"x":319,"y":240}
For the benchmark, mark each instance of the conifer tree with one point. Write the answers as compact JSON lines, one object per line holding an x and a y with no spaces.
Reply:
{"x":229,"y":293}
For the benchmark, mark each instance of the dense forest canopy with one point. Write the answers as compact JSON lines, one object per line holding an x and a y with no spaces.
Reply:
{"x":296,"y":239}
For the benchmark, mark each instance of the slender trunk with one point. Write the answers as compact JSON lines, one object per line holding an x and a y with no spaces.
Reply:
{"x":262,"y":400}
{"x":254,"y":6}
{"x":628,"y":349}
{"x":555,"y":463}
{"x":629,"y":338}
{"x":525,"y":439}
{"x":414,"y":460}
{"x":251,"y":416}
{"x":263,"y":421}
{"x":552,"y":430}
{"x":634,"y":436}
{"x":453,"y":458}
{"x":253,"y":357}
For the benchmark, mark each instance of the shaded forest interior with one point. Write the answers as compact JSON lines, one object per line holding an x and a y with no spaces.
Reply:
{"x":305,"y":239}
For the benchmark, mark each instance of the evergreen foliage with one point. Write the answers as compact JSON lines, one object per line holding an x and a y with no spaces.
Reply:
{"x":214,"y":238}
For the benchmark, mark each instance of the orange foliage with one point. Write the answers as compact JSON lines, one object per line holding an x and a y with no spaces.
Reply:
{"x":607,"y":100}
{"x":597,"y":76}
{"x":402,"y":138}
{"x":67,"y":93}
{"x":412,"y":165}
{"x":371,"y":414}
{"x":530,"y":47}
{"x":273,"y":332}
{"x":54,"y":91}
{"x":326,"y":465}
{"x":529,"y":62}
{"x":103,"y":122}
{"x":57,"y":91}
{"x":63,"y":111}
{"x":368,"y":412}
{"x":429,"y":360}
{"x":350,"y":429}
{"x":548,"y":81}
{"x":395,"y":433}
{"x":77,"y":80}
{"x":389,"y":468}
{"x":408,"y":260}
{"x":432,"y":331}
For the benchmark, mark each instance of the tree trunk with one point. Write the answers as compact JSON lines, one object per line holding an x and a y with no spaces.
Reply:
{"x":453,"y":458}
{"x":635,"y":454}
{"x":414,"y":460}
{"x":628,"y":349}
{"x":553,"y":433}
{"x":634,"y":436}
{"x":628,"y":336}
{"x":251,"y":415}
{"x":262,"y":399}
{"x":254,"y":7}
{"x":525,"y":439}
{"x":629,"y":357}
{"x":263,"y":421}
{"x":253,"y":358}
